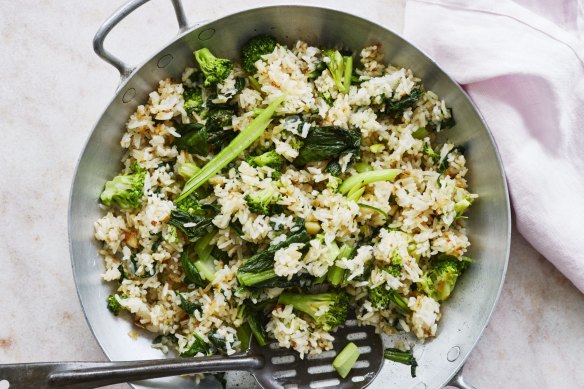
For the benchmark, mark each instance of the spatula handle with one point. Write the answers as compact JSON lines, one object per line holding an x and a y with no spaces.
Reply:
{"x":78,"y":375}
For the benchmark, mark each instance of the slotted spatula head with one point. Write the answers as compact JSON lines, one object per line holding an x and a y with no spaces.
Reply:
{"x":284,"y":369}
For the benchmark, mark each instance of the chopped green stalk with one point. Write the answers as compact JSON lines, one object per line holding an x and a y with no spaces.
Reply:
{"x":336,"y":303}
{"x":336,"y":274}
{"x":187,"y":170}
{"x":255,"y":84}
{"x":358,"y":181}
{"x":206,"y":268}
{"x":334,"y":62}
{"x":405,"y":357}
{"x":257,"y":329}
{"x":356,"y":195}
{"x":348,"y":61}
{"x":346,"y":359}
{"x":462,"y":205}
{"x":376,"y":148}
{"x":420,"y":133}
{"x":203,"y":248}
{"x":244,"y":336}
{"x":241,"y":142}
{"x":362,"y":167}
{"x":385,"y":215}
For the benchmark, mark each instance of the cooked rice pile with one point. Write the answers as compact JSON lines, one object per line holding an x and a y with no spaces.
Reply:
{"x":142,"y":252}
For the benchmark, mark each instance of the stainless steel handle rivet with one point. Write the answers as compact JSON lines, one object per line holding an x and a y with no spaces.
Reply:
{"x":129,"y":95}
{"x":453,"y":354}
{"x":207,"y":34}
{"x":164,"y":61}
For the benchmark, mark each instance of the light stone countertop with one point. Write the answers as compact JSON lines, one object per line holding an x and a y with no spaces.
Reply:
{"x":53,"y":90}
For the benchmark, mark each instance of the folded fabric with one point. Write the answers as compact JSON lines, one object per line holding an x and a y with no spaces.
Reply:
{"x":526,"y":75}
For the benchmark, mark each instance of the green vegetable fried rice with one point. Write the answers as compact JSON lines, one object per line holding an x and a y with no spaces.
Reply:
{"x":271,"y":202}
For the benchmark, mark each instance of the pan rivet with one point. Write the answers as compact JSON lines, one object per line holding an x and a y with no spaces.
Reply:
{"x":420,"y":385}
{"x":164,"y":61}
{"x":453,"y":354}
{"x":4,"y":384}
{"x":129,"y":95}
{"x":207,"y":34}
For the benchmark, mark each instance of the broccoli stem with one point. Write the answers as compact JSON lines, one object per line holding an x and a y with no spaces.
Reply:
{"x":348,"y":72}
{"x":346,"y":359}
{"x":405,"y":357}
{"x":336,"y":274}
{"x":241,"y":142}
{"x":187,"y":170}
{"x":354,"y":183}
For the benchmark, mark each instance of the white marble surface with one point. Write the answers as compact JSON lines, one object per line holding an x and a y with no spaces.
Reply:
{"x":54,"y":88}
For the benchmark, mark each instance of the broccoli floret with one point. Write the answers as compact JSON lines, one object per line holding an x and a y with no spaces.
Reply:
{"x":381,"y":297}
{"x":354,"y":186}
{"x":405,"y":357}
{"x":340,"y":68}
{"x":440,"y":279}
{"x":260,"y":202}
{"x":269,"y":158}
{"x":114,"y":305}
{"x":194,"y":101}
{"x":190,"y":205}
{"x":337,"y":304}
{"x":215,"y":69}
{"x":253,"y":50}
{"x":346,"y":359}
{"x":125,"y":190}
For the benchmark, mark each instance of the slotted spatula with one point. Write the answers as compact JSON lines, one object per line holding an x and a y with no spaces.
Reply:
{"x":272,"y":367}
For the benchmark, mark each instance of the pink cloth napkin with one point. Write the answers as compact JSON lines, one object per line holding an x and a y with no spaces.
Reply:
{"x":522,"y":62}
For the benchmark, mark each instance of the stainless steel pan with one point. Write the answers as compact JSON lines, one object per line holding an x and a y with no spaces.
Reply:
{"x":465,"y":315}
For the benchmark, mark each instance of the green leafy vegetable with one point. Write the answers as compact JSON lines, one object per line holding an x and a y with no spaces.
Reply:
{"x":197,"y":346}
{"x":397,"y":108}
{"x":322,"y":143}
{"x":193,"y":138}
{"x":188,"y":306}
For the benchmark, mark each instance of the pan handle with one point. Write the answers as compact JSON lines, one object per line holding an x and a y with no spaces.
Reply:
{"x":103,"y":30}
{"x":459,"y":382}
